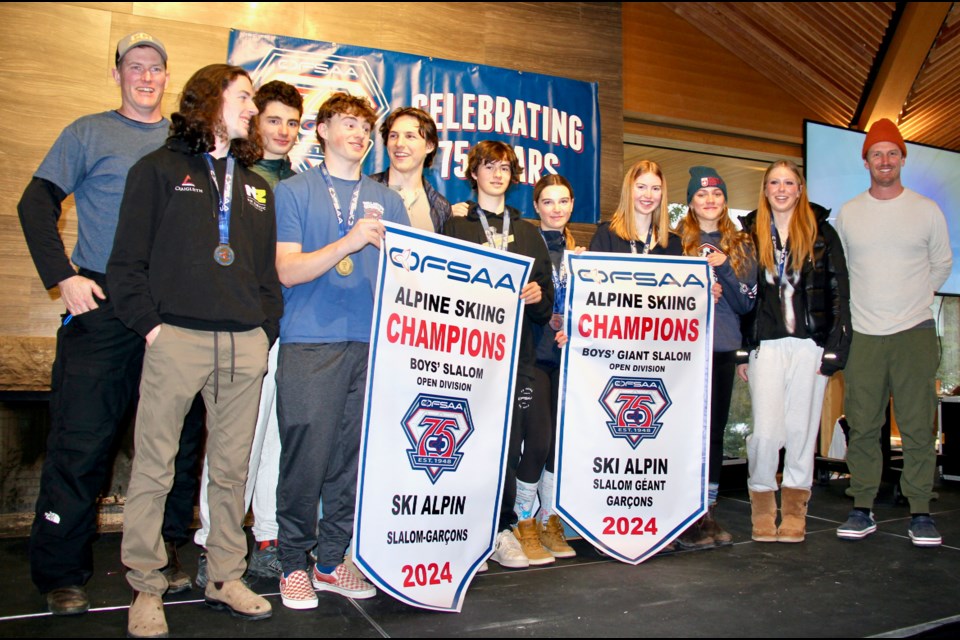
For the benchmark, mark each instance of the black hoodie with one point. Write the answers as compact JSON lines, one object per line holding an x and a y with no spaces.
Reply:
{"x":162,"y":267}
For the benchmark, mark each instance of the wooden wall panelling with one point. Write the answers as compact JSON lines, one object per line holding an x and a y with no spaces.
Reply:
{"x":281,"y":18}
{"x":676,"y":73}
{"x":450,"y":30}
{"x":115,"y":7}
{"x":51,"y":71}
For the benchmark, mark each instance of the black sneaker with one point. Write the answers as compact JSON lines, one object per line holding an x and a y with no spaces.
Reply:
{"x":858,"y":526}
{"x":201,"y":580}
{"x":265,"y":562}
{"x":923,"y":532}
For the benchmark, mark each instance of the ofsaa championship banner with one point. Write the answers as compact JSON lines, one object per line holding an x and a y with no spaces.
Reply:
{"x":552,"y":123}
{"x":436,"y":424}
{"x":633,"y":433}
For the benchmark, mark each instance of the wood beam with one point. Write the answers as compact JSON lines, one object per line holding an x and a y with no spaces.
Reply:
{"x":909,"y":47}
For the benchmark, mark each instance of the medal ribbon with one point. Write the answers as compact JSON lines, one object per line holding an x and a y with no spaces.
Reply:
{"x":780,"y":252}
{"x":354,"y":199}
{"x":224,"y":198}
{"x":504,"y":239}
{"x":646,"y":246}
{"x":559,"y":278}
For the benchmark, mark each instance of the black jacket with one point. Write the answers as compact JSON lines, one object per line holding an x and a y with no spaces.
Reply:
{"x":162,"y":267}
{"x":825,"y":289}
{"x":607,"y":241}
{"x":526,"y":242}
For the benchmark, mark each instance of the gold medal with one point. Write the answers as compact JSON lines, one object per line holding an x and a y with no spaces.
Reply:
{"x":345,"y":267}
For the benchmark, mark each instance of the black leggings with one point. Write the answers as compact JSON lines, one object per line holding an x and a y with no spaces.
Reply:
{"x":724,"y":370}
{"x":539,"y":426}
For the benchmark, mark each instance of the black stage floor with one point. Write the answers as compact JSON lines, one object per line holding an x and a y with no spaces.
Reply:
{"x":824,"y":588}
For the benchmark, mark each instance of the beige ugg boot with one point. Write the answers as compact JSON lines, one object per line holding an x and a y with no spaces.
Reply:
{"x":793,"y":508}
{"x":763,"y":510}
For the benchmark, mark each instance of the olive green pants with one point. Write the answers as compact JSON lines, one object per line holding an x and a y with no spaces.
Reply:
{"x":903,"y":364}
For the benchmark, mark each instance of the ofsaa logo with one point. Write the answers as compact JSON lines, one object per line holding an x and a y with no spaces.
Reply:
{"x":437,"y":427}
{"x":635,"y":406}
{"x":412,"y":261}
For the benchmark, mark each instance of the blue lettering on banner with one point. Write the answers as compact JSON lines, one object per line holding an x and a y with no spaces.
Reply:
{"x":640,"y":278}
{"x":457,"y":271}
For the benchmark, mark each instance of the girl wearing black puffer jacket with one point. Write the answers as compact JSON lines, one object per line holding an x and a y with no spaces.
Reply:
{"x":797,"y":336}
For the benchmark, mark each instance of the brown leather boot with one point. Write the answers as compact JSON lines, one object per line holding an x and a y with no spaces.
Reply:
{"x":763,"y":513}
{"x":721,"y":537}
{"x":177,"y":580}
{"x":793,"y":508}
{"x":695,"y":537}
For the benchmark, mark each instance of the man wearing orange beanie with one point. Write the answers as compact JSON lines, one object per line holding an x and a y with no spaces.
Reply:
{"x":898,"y":254}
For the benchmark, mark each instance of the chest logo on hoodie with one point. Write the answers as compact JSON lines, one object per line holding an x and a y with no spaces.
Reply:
{"x":187,"y":185}
{"x":257,"y":198}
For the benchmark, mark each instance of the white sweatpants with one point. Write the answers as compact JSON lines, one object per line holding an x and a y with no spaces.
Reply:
{"x":787,"y":396}
{"x":264,"y":467}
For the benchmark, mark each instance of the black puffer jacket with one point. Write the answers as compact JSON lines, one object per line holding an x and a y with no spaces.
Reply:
{"x":825,"y":301}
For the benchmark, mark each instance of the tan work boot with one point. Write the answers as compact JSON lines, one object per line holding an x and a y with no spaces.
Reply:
{"x":553,"y":539}
{"x":793,"y":511}
{"x":145,"y":618}
{"x":527,"y":532}
{"x":763,"y":513}
{"x":235,"y":597}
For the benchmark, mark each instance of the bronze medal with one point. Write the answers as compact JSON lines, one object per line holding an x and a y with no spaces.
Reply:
{"x":223,"y":255}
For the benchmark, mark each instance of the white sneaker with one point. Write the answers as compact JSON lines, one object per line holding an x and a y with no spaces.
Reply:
{"x":508,"y":553}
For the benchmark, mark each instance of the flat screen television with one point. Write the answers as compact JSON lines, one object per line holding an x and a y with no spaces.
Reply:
{"x":835,"y":173}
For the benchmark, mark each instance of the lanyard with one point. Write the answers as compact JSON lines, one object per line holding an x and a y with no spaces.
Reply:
{"x":559,"y":277}
{"x":224,"y":198}
{"x":491,"y":234}
{"x":352,"y":214}
{"x":779,"y":251}
{"x":646,"y":246}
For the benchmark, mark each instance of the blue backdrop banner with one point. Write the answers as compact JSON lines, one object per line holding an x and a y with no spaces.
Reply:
{"x":552,"y":123}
